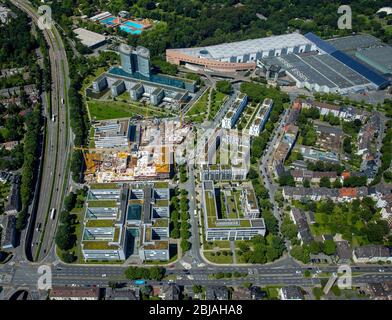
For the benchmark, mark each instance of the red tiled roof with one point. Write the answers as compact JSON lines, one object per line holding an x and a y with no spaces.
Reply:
{"x":348,"y":192}
{"x":345,"y":174}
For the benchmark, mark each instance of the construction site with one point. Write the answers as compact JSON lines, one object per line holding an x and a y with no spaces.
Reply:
{"x":148,"y":153}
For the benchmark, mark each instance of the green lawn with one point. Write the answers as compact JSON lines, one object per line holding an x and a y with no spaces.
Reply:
{"x":218,"y":259}
{"x":198,"y":111}
{"x":104,"y":110}
{"x":216,"y":104}
{"x":4,"y":191}
{"x":223,"y":244}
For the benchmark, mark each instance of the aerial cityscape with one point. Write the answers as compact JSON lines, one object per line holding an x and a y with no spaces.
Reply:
{"x":195,"y":150}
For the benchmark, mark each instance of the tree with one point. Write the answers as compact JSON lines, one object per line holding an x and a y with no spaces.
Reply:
{"x":68,"y":257}
{"x":157,"y":273}
{"x":337,"y":184}
{"x":300,"y":253}
{"x":306,"y":183}
{"x":315,"y":247}
{"x":197,"y":289}
{"x":65,"y":238}
{"x":347,"y":146}
{"x":288,"y":229}
{"x":185,"y":245}
{"x":329,"y":247}
{"x":224,"y":86}
{"x":325,"y":182}
{"x":286,"y":180}
{"x":70,"y":201}
{"x":377,"y":231}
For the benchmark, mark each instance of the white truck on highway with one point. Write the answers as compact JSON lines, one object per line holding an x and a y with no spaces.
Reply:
{"x":52,"y":213}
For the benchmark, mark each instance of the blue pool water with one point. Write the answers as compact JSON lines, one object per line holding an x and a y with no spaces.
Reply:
{"x":108,"y":21}
{"x":133,"y":24}
{"x":129,"y":30}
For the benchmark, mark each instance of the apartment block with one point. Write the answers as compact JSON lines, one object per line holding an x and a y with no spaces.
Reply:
{"x":222,"y":219}
{"x":234,"y":112}
{"x":261,"y":117}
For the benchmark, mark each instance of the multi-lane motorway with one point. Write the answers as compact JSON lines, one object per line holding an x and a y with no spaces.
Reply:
{"x":26,"y":275}
{"x":57,"y":146}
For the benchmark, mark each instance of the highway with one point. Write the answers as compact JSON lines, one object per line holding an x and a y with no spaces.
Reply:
{"x":26,"y":275}
{"x":56,"y":149}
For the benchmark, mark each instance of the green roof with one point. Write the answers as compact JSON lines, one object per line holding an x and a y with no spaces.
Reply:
{"x":104,"y":186}
{"x":158,"y":245}
{"x":102,"y":204}
{"x":161,"y":223}
{"x":161,"y":185}
{"x":210,"y":204}
{"x":98,"y":245}
{"x":161,"y":202}
{"x":99,"y":223}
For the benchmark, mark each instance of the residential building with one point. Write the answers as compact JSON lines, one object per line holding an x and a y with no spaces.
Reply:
{"x":291,"y":293}
{"x":218,"y":172}
{"x":372,"y":253}
{"x":380,"y":290}
{"x":261,"y":117}
{"x":299,"y":219}
{"x":314,"y":155}
{"x":227,"y":223}
{"x":343,"y":251}
{"x":74,"y":293}
{"x":315,"y":194}
{"x":312,"y":176}
{"x":249,"y":202}
{"x":241,"y":293}
{"x":170,"y":292}
{"x":8,"y":236}
{"x":13,"y":203}
{"x":234,"y":112}
{"x":217,"y":293}
{"x":257,"y":293}
{"x":121,"y":294}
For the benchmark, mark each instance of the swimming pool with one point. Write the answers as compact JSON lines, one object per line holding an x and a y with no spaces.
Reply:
{"x":134,"y":24}
{"x":108,"y":21}
{"x":130,"y":30}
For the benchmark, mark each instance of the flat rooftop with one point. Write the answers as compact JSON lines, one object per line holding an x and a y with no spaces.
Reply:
{"x":354,"y":42}
{"x":322,"y":69}
{"x":227,"y":50}
{"x":89,"y":38}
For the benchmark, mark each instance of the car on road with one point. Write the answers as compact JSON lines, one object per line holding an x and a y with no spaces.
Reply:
{"x":104,"y":275}
{"x":140,"y":282}
{"x":38,"y":229}
{"x":381,"y":270}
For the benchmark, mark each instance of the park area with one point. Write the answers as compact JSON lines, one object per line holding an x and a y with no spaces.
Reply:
{"x":106,"y":110}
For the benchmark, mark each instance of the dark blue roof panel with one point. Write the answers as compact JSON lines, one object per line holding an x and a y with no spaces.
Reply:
{"x":372,"y":76}
{"x":323,"y":45}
